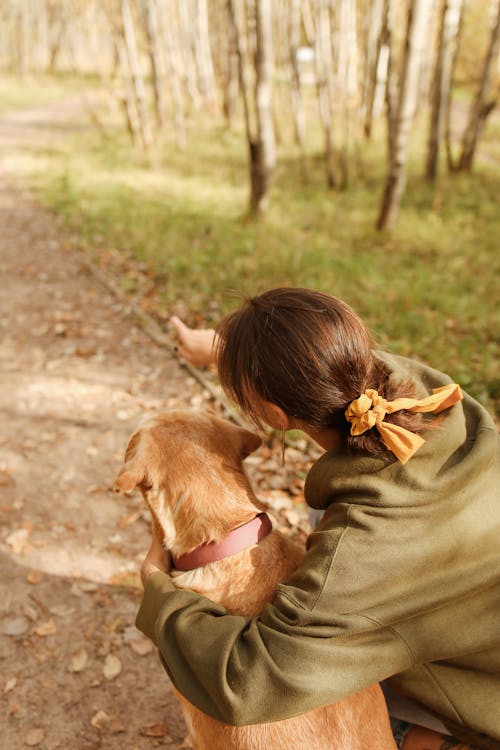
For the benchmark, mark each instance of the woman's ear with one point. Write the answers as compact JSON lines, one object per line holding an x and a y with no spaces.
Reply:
{"x":276,"y":417}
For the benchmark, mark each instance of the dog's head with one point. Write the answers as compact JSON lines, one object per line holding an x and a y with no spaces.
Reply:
{"x":189,"y":469}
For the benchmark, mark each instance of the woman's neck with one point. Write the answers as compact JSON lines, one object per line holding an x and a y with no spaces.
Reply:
{"x":327,"y":438}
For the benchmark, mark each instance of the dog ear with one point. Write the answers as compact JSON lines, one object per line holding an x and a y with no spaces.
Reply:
{"x":128,"y":479}
{"x":249,"y":442}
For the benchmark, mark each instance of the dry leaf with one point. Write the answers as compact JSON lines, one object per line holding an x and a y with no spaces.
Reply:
{"x":99,"y":719}
{"x":10,"y":685}
{"x":155,"y":730}
{"x":34,"y":737}
{"x":46,"y":628}
{"x":78,"y":661}
{"x":116,"y":726}
{"x":141,"y":646}
{"x":6,"y":479}
{"x":15,"y":626}
{"x":112,"y":667}
{"x":17,"y":540}
{"x":34,"y":577}
{"x":61,"y":610}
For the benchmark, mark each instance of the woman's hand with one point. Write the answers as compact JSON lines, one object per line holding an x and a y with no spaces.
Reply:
{"x":157,"y":558}
{"x":196,"y":346}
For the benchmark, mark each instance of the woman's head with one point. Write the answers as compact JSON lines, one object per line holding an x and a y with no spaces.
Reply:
{"x":304,"y":351}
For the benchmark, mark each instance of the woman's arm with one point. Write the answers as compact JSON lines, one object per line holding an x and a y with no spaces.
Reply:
{"x":196,"y":346}
{"x":244,"y":671}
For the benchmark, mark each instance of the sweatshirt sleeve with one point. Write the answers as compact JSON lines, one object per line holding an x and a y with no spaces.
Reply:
{"x":288,"y":661}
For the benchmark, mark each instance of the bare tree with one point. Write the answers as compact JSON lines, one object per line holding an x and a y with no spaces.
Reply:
{"x":484,"y":103}
{"x":449,"y":24}
{"x":414,"y":47}
{"x":324,"y":81}
{"x":257,"y":99}
{"x":203,"y":56}
{"x":136,"y":97}
{"x":295,"y":82}
{"x":155,"y":54}
{"x":373,"y":66}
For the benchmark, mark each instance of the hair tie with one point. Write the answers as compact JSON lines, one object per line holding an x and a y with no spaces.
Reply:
{"x":369,"y":411}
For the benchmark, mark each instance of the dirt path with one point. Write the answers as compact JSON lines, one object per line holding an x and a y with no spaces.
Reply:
{"x":76,"y":376}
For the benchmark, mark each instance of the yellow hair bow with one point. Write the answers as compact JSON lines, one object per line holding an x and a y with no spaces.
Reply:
{"x":369,"y":411}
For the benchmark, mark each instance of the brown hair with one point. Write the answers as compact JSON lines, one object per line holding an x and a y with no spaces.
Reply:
{"x":311,"y":355}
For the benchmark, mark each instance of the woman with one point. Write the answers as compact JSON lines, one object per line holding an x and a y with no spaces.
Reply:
{"x":401,"y":581}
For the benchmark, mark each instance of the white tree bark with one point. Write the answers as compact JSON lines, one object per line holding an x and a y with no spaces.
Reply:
{"x":324,"y":81}
{"x":449,"y":23}
{"x":483,"y":103}
{"x":414,"y":48}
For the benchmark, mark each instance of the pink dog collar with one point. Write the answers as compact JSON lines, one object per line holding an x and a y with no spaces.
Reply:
{"x":237,"y":540}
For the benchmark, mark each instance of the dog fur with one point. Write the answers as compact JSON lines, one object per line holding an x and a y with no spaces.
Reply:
{"x":189,"y":469}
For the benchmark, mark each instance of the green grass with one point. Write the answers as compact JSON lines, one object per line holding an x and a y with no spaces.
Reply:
{"x":30,"y":90}
{"x":429,"y":289}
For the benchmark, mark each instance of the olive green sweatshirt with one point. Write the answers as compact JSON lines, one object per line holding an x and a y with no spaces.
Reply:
{"x":401,"y":580}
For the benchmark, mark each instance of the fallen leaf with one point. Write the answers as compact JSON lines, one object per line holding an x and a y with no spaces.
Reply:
{"x":15,"y":709}
{"x":34,"y":577}
{"x":154,"y":730}
{"x":15,"y":626}
{"x":6,"y":480}
{"x":100,"y":719}
{"x":61,"y":610}
{"x":17,"y":540}
{"x":10,"y":685}
{"x":78,"y":661}
{"x":141,"y":646}
{"x":116,"y":726}
{"x":34,"y":737}
{"x":112,"y":667}
{"x":46,"y":628}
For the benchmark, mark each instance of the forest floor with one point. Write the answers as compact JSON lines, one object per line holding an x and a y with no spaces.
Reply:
{"x":77,"y":372}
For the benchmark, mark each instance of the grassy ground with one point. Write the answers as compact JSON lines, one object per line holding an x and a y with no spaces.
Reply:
{"x":429,"y":289}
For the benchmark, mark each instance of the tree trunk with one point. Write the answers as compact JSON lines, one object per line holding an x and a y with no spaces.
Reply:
{"x":347,"y":82}
{"x":295,"y":83}
{"x":231,"y":77}
{"x":137,"y":79}
{"x":324,"y":66}
{"x":151,"y":26}
{"x":372,"y":64}
{"x":418,"y":15}
{"x":449,"y":24}
{"x":263,"y":151}
{"x":174,"y":74}
{"x":127,"y":99}
{"x":203,"y":56}
{"x":481,"y":107}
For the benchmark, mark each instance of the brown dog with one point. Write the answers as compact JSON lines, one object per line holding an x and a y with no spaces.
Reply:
{"x":189,"y":469}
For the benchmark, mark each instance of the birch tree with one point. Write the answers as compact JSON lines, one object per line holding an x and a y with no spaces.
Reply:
{"x":399,"y":128}
{"x":374,"y":63}
{"x":324,"y":72}
{"x":484,"y":102}
{"x":449,"y":24}
{"x":295,"y":81}
{"x":156,"y":59}
{"x":135,"y":96}
{"x":257,"y":98}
